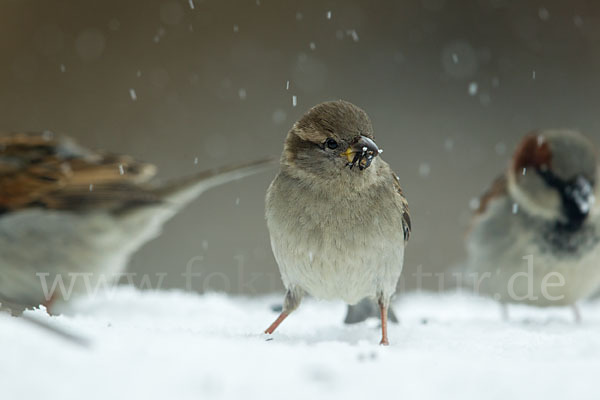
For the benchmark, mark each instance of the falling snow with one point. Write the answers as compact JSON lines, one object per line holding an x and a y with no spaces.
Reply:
{"x":424,"y":170}
{"x":449,"y":144}
{"x":159,"y":34}
{"x":500,"y":148}
{"x":472,"y":88}
{"x":353,"y":34}
{"x":279,"y":116}
{"x":474,"y":203}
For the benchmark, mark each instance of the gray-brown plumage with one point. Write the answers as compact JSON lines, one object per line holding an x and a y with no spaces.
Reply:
{"x":69,"y":213}
{"x":535,"y":238}
{"x":336,"y":214}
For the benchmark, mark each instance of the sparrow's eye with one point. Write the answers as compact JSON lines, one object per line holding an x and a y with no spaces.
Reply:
{"x":332,"y":144}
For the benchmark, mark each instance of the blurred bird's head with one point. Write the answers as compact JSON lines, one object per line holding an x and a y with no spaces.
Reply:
{"x":553,"y":175}
{"x":331,"y":139}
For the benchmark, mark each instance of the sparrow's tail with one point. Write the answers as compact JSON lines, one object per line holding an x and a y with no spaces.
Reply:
{"x":366,"y":308}
{"x":183,"y":191}
{"x":141,"y":224}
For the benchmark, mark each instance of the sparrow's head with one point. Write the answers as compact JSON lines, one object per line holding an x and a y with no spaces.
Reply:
{"x":330,"y":139}
{"x":553,"y":175}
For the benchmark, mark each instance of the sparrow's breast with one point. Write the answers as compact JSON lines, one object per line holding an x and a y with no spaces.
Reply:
{"x":517,"y":258}
{"x":334,"y":244}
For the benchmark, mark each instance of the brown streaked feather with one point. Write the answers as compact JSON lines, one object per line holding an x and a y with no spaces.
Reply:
{"x":499,"y":188}
{"x":405,"y":214}
{"x":533,"y":151}
{"x":40,"y":170}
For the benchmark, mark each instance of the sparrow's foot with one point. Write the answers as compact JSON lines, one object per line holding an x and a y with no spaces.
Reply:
{"x":277,"y":322}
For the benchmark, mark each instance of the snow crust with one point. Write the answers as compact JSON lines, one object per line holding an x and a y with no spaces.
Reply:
{"x":177,"y":345}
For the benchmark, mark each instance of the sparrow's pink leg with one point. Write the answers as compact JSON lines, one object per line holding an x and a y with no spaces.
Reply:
{"x":384,"y":316}
{"x":293,"y":297}
{"x":275,"y":324}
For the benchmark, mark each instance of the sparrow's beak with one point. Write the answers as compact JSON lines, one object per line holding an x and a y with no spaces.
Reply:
{"x":578,"y":197}
{"x":361,"y":153}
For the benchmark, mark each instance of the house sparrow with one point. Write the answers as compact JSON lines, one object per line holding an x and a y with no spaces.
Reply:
{"x":535,"y":238}
{"x":336,"y":214}
{"x":76,"y":215}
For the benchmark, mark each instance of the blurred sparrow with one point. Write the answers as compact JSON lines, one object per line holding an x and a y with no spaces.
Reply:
{"x":336,"y":213}
{"x":67,"y":212}
{"x":536,"y":237}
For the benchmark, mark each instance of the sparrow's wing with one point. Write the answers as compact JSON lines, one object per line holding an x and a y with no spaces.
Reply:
{"x":368,"y":308}
{"x":498,"y":189}
{"x":406,"y":224}
{"x":38,"y":170}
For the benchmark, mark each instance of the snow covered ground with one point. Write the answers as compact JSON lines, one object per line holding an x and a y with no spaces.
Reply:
{"x":176,"y":345}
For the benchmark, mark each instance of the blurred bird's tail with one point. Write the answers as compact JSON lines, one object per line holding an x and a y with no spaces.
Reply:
{"x":145,"y":223}
{"x":183,"y":191}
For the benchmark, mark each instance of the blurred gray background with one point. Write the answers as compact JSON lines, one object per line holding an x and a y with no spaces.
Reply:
{"x":450,"y":87}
